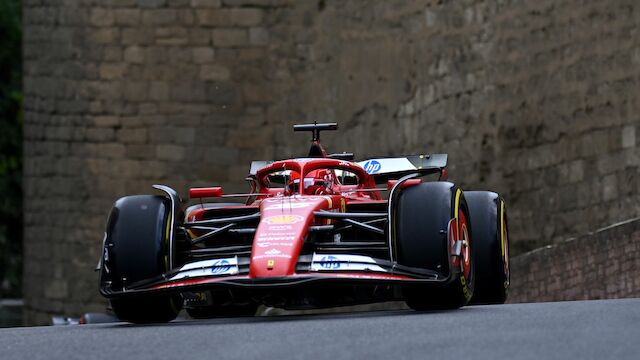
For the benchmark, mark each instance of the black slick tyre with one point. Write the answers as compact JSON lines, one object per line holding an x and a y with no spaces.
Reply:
{"x":136,"y":249}
{"x":422,"y":217}
{"x":491,"y":246}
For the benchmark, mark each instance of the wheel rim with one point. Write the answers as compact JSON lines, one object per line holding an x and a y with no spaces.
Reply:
{"x":459,"y":230}
{"x":465,"y":264}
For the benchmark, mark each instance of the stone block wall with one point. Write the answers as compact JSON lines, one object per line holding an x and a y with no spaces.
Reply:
{"x":601,"y":265}
{"x":535,"y":99}
{"x":120,"y":95}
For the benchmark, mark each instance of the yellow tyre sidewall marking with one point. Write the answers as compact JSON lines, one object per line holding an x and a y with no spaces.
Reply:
{"x":505,"y":253}
{"x":457,"y":203}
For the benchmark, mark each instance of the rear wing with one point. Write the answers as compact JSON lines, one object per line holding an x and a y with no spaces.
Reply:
{"x":388,"y":167}
{"x":428,"y":163}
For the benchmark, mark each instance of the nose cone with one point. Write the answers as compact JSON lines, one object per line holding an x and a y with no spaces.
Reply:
{"x":281,"y":233}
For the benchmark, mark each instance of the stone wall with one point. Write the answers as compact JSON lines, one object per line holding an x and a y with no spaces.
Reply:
{"x":535,"y":99}
{"x":120,"y":95}
{"x":601,"y":265}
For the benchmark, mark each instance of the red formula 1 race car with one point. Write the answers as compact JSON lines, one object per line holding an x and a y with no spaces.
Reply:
{"x":318,"y":231}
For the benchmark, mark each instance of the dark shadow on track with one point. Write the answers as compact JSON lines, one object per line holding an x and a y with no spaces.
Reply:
{"x":292,"y":317}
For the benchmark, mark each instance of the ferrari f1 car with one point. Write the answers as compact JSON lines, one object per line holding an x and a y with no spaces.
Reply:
{"x":312,"y":232}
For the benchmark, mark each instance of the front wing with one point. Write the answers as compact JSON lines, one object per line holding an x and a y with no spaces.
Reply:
{"x":321,"y":269}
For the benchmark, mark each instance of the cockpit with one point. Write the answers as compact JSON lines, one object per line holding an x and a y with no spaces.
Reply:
{"x":324,"y":181}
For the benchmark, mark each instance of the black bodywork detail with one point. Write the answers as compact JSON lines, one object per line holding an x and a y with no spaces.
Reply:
{"x":315,"y":129}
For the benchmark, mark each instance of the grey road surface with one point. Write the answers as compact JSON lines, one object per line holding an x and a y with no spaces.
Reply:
{"x":564,"y":330}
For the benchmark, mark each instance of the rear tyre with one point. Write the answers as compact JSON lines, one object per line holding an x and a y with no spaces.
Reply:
{"x":491,"y":246}
{"x":422,"y":214}
{"x":136,"y":249}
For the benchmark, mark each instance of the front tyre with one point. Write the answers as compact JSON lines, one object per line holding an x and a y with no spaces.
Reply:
{"x":432,"y":220}
{"x":136,"y":248}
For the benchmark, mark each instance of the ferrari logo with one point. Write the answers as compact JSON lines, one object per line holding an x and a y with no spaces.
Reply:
{"x":284,"y":219}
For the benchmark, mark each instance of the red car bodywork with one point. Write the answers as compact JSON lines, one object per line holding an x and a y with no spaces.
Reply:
{"x":286,"y":229}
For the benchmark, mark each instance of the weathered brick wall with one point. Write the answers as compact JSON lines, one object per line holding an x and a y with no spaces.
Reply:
{"x":535,"y":99}
{"x":120,"y":95}
{"x":601,"y":265}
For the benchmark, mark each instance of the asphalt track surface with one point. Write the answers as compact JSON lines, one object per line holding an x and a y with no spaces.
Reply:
{"x":607,"y":329}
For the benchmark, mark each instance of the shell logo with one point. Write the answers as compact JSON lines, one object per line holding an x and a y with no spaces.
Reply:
{"x":283,"y":219}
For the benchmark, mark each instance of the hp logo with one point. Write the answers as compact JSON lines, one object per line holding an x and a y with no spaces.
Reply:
{"x":220,"y":266}
{"x":372,"y":167}
{"x":330,"y":262}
